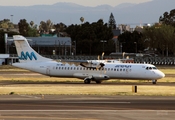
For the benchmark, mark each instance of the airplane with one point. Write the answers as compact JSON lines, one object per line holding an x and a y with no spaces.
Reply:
{"x":87,"y":70}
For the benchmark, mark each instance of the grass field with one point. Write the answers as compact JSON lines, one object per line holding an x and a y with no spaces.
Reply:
{"x":39,"y":84}
{"x":88,"y":90}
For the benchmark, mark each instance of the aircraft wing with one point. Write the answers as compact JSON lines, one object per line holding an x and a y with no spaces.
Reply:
{"x":75,"y":62}
{"x":83,"y":63}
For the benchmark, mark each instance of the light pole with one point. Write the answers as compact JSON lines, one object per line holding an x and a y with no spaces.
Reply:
{"x":103,"y":41}
{"x":121,"y":46}
{"x":75,"y":47}
{"x":11,"y":18}
{"x":136,"y":46}
{"x":59,"y":47}
{"x":64,"y":48}
{"x":70,"y":46}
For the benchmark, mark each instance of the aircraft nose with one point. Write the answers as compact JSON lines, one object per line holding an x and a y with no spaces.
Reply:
{"x":161,"y":74}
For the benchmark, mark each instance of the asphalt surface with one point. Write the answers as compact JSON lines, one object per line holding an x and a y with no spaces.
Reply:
{"x":83,"y":107}
{"x":31,"y":107}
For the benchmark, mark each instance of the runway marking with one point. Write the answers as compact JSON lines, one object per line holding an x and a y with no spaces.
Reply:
{"x":23,"y":74}
{"x":29,"y":96}
{"x":82,"y":110}
{"x":94,"y":102}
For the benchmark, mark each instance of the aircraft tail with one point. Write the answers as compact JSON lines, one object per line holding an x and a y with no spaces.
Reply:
{"x":25,"y":52}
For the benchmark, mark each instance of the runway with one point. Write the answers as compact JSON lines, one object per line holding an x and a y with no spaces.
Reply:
{"x":86,"y":107}
{"x":81,"y":107}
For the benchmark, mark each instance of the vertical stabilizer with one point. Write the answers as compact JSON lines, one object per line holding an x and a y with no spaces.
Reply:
{"x":25,"y":52}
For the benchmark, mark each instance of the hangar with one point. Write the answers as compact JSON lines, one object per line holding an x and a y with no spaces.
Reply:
{"x":46,"y":45}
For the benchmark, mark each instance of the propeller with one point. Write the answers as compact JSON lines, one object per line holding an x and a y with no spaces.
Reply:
{"x":101,"y":64}
{"x":102,"y":55}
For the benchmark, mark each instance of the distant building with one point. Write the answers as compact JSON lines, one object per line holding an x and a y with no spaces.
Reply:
{"x":3,"y":58}
{"x":116,"y":33}
{"x":46,"y":45}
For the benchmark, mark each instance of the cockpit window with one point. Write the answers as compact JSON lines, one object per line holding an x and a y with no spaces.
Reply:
{"x":154,"y":68}
{"x":150,"y":68}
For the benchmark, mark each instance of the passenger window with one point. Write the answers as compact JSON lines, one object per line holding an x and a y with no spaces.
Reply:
{"x":114,"y":69}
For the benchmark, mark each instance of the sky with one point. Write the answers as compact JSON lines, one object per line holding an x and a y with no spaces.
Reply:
{"x":92,"y":3}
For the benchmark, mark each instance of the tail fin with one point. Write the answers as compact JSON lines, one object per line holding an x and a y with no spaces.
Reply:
{"x":25,"y":52}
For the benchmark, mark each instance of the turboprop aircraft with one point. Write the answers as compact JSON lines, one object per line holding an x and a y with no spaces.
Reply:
{"x":96,"y":70}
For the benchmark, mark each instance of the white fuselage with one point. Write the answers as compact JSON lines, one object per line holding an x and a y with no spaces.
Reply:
{"x":109,"y":71}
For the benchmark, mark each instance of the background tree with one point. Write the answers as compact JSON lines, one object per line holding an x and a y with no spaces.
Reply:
{"x":23,"y":27}
{"x":82,"y":20}
{"x":59,"y":27}
{"x":33,"y":31}
{"x":46,"y":27}
{"x":32,"y":24}
{"x":150,"y":41}
{"x":112,"y":22}
{"x":88,"y":37}
{"x":6,"y":24}
{"x":131,"y":42}
{"x":166,"y":36}
{"x":159,"y":38}
{"x":168,"y":18}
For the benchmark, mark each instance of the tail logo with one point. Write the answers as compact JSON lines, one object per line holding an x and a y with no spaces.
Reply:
{"x":27,"y":55}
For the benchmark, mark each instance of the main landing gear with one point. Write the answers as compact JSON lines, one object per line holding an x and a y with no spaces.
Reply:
{"x":154,"y":81}
{"x":87,"y":80}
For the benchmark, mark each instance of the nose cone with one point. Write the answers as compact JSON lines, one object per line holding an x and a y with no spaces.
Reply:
{"x":161,"y":74}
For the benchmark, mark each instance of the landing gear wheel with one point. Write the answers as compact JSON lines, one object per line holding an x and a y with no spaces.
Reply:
{"x":87,"y":81}
{"x":154,"y":81}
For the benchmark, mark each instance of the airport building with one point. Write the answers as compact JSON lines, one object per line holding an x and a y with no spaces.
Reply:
{"x":47,"y":46}
{"x":3,"y":58}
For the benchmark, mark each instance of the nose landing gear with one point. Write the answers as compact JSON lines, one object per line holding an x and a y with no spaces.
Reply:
{"x":154,"y":81}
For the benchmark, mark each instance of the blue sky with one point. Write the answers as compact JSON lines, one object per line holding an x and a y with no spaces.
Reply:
{"x":80,"y":2}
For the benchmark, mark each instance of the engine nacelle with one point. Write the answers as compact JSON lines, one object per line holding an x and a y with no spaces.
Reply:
{"x":100,"y":77}
{"x":92,"y":76}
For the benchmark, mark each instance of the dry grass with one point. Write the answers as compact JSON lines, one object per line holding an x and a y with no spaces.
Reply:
{"x":88,"y":90}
